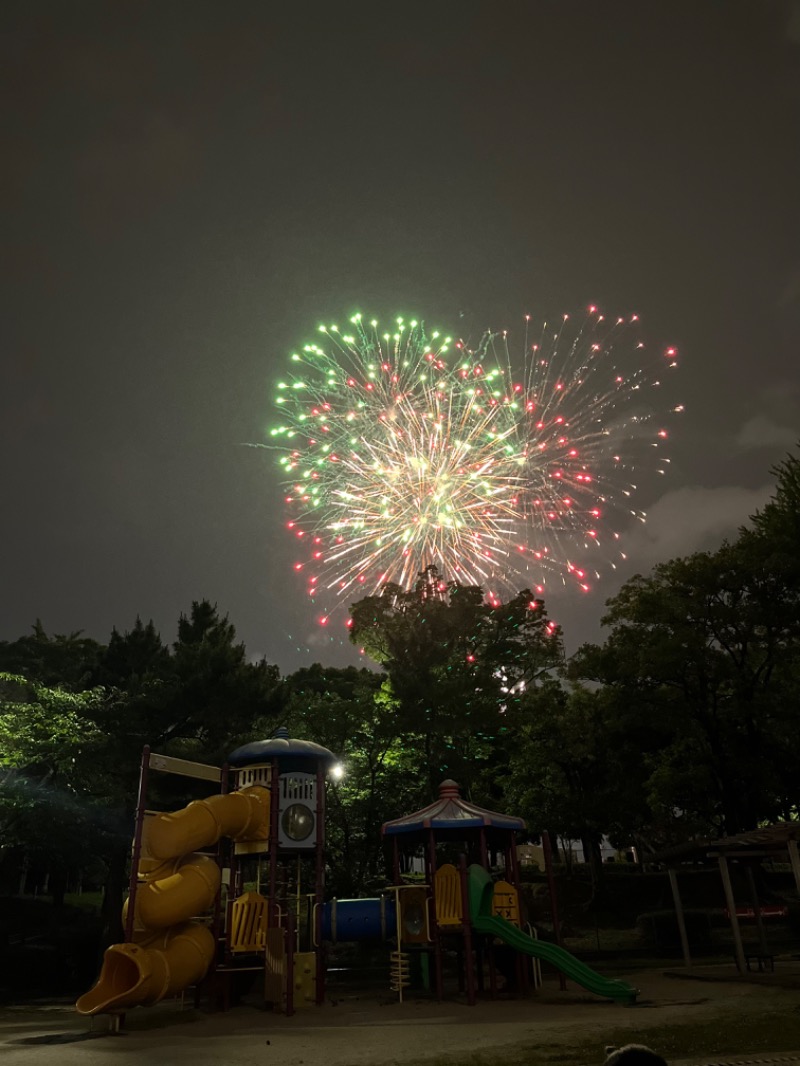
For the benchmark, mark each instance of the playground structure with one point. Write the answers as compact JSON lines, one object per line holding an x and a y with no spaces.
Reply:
{"x":465,"y":907}
{"x":179,"y":928}
{"x":190,"y":922}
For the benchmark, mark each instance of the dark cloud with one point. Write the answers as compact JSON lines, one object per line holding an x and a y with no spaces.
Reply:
{"x":691,"y":519}
{"x":776,"y":423}
{"x":793,"y":22}
{"x":761,"y":432}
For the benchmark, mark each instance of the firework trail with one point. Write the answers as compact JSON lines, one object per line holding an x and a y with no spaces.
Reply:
{"x":400,"y":449}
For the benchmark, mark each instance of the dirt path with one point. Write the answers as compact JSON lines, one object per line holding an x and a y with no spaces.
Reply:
{"x":360,"y":1031}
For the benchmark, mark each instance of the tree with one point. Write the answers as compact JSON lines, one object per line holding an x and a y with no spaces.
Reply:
{"x":351,"y":712}
{"x":48,"y":747}
{"x":72,"y":759}
{"x":66,"y":660}
{"x":455,"y":663}
{"x":217,"y":693}
{"x":196,"y":702}
{"x":134,"y":658}
{"x":704,"y":648}
{"x":567,"y":770}
{"x":779,"y":521}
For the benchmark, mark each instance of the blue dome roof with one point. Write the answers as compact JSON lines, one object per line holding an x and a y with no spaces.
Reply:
{"x":283,"y":748}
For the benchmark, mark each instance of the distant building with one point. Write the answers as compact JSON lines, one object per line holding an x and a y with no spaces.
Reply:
{"x":533,"y":854}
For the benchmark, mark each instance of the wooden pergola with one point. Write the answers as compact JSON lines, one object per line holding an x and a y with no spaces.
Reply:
{"x":758,"y":844}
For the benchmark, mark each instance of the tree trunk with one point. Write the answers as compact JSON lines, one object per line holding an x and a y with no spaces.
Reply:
{"x":23,"y":876}
{"x":58,"y":888}
{"x":593,"y":857}
{"x":113,"y":892}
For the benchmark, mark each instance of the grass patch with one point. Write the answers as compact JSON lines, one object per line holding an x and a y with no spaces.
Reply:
{"x":85,"y":900}
{"x":604,"y":940}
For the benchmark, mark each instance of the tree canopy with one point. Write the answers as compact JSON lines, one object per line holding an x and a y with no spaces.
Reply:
{"x":454,"y":664}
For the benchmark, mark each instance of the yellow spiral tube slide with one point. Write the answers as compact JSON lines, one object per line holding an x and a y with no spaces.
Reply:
{"x":171,"y":952}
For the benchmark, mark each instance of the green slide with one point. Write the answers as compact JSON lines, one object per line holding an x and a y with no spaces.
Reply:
{"x":481,"y":888}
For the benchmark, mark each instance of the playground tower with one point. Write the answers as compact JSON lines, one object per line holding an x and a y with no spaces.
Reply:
{"x":195,"y":911}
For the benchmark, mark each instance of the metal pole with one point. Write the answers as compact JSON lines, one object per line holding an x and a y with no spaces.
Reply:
{"x":398,"y":932}
{"x":731,"y":902}
{"x":319,"y":886}
{"x":395,"y":862}
{"x":676,"y":898}
{"x":289,"y":949}
{"x":794,"y":859}
{"x":762,"y":937}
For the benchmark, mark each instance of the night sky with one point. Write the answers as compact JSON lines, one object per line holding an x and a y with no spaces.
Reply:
{"x":190,"y":187}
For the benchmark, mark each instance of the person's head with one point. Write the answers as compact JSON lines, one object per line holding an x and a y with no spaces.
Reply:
{"x":633,"y":1055}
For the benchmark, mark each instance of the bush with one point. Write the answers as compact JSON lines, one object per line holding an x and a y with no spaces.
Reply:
{"x":44,"y":952}
{"x":659,"y":929}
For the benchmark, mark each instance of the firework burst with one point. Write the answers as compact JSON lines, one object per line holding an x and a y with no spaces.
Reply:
{"x":402,"y":448}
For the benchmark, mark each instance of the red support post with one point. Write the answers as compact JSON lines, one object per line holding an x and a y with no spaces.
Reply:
{"x":437,"y":942}
{"x":141,"y":804}
{"x":547,"y":849}
{"x":492,"y":972}
{"x":223,"y":850}
{"x":512,"y":865}
{"x":467,"y":931}
{"x":274,"y":805}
